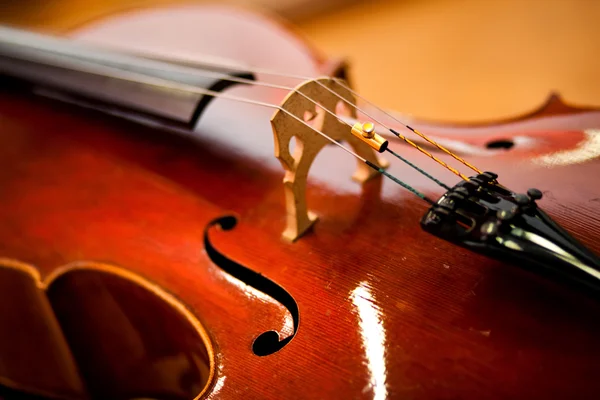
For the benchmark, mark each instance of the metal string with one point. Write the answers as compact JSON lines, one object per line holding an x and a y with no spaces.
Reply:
{"x":428,"y":154}
{"x":439,"y":146}
{"x":230,"y":78}
{"x":136,"y":77}
{"x":343,"y":85}
{"x":74,"y":52}
{"x":404,"y":138}
{"x":404,"y":185}
{"x":398,"y":156}
{"x":149,"y":63}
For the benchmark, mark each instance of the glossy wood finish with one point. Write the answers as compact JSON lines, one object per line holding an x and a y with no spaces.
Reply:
{"x":386,"y":310}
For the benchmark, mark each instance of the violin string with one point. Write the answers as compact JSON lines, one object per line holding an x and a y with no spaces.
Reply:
{"x":424,"y":137}
{"x":68,"y":50}
{"x":137,"y":77}
{"x":117,"y":58}
{"x":398,"y":135}
{"x":434,"y":158}
{"x":398,"y":156}
{"x":399,"y":182}
{"x":150,"y":63}
{"x":341,"y":83}
{"x":230,"y":78}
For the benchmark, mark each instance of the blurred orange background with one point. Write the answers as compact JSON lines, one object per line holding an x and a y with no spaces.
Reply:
{"x":448,"y":60}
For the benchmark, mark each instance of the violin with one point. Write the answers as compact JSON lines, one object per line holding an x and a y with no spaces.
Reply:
{"x":196,"y":204}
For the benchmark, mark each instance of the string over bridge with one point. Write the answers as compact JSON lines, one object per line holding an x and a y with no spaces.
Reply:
{"x":308,"y":144}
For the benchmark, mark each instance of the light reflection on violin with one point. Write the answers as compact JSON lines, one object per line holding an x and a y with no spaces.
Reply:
{"x":78,"y":184}
{"x":587,"y":150}
{"x":373,"y":335}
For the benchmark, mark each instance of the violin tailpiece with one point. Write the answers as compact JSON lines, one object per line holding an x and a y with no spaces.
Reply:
{"x":486,"y":217}
{"x":309,"y":143}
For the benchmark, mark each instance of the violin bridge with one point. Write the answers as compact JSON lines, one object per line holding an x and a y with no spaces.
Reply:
{"x":309,"y":143}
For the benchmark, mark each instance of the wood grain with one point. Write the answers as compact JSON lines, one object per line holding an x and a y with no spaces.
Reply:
{"x":386,"y":310}
{"x":452,"y":324}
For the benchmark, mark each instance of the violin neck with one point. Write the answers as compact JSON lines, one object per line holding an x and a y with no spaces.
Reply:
{"x":109,"y":80}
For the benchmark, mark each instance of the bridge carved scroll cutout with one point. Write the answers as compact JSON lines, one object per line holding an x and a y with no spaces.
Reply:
{"x":309,"y":143}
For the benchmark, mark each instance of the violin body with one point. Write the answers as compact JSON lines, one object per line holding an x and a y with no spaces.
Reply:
{"x":384,"y":309}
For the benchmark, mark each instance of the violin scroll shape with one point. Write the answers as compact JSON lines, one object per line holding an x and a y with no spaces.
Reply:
{"x":484,"y":216}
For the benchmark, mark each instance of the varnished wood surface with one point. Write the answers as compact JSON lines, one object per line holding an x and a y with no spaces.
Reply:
{"x":445,"y":60}
{"x":386,"y":310}
{"x":454,"y":324}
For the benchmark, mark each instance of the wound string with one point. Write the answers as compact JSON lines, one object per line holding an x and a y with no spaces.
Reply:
{"x":230,"y":78}
{"x":137,"y":77}
{"x":398,"y":156}
{"x":148,"y":63}
{"x":344,"y":86}
{"x":439,"y":146}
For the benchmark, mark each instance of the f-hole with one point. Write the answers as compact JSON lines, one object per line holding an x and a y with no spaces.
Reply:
{"x":500,"y":144}
{"x":268,"y":342}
